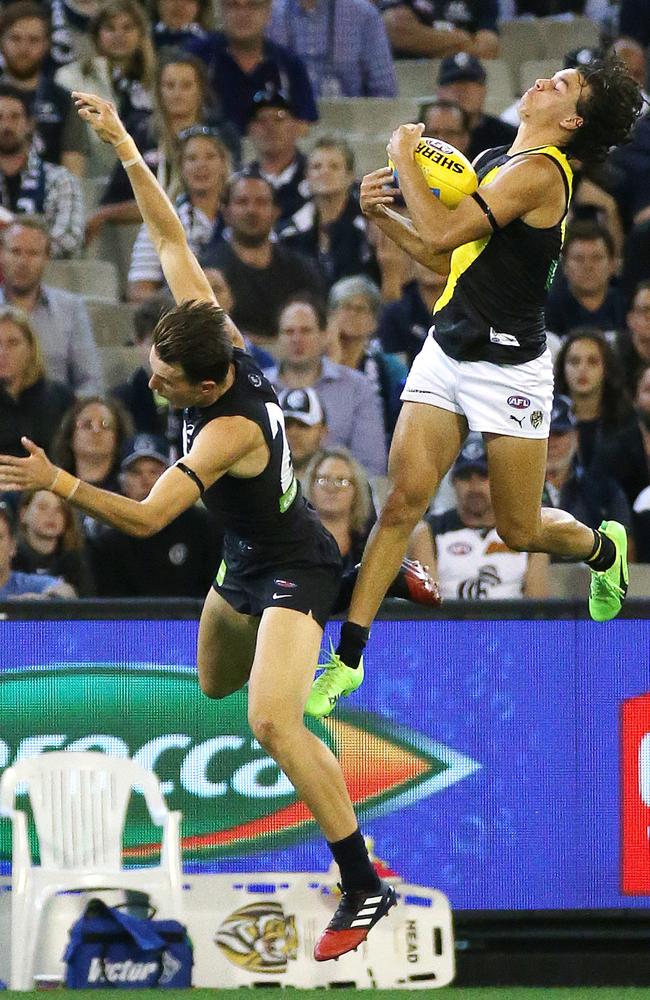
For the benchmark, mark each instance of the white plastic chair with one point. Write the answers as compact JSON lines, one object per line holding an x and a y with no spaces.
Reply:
{"x":79,"y":803}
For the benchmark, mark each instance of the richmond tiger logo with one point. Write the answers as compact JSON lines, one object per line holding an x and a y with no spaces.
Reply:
{"x":259,"y":937}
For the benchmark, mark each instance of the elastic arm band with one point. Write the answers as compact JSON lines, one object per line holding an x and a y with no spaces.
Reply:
{"x":193,"y":476}
{"x":483,"y":205}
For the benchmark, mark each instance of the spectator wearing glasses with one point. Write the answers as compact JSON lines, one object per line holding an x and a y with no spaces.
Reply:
{"x":337,"y":486}
{"x":60,"y":135}
{"x":243,"y":60}
{"x":343,"y":44}
{"x":273,"y":130}
{"x":205,"y":167}
{"x":31,"y":404}
{"x":331,"y":228}
{"x":121,"y":68}
{"x":90,"y":438}
{"x":182,"y":100}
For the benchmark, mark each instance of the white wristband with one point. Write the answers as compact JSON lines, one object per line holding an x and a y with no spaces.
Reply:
{"x":131,"y":163}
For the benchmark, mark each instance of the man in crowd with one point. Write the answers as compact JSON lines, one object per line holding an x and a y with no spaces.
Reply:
{"x":462,"y":78}
{"x":243,"y":60}
{"x":330,"y":228}
{"x":262,"y":274}
{"x":25,"y":47}
{"x":403,"y":325}
{"x":435,"y":28}
{"x":583,"y":293}
{"x":626,"y":455}
{"x":588,"y":497}
{"x":462,"y":548}
{"x":60,"y":318}
{"x":179,"y":561}
{"x":273,"y":129}
{"x":445,"y":119}
{"x":352,"y":404}
{"x":29,"y":185}
{"x":344,"y":45}
{"x":305,"y":424}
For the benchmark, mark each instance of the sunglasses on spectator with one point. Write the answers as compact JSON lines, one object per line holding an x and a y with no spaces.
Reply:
{"x":338,"y":482}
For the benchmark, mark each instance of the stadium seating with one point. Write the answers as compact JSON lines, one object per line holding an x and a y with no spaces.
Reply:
{"x":372,"y":115}
{"x":535,"y":69}
{"x":85,"y":277}
{"x":416,"y":76}
{"x":112,"y":322}
{"x":115,"y":243}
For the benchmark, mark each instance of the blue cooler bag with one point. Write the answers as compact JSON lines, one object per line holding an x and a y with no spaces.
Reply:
{"x":110,"y":949}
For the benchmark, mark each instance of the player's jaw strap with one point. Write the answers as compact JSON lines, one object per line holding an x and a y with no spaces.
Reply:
{"x":485,"y":208}
{"x":192,"y":474}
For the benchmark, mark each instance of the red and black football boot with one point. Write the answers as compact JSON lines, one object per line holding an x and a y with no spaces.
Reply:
{"x":421,"y":587}
{"x":355,"y":916}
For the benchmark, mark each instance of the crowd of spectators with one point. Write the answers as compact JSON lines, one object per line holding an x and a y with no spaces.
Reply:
{"x":223,"y":102}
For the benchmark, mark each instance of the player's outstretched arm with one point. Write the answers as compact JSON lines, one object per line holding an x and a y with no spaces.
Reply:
{"x":182,"y":272}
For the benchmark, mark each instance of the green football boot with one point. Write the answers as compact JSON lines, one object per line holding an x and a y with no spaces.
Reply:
{"x":334,"y":682}
{"x":609,"y":587}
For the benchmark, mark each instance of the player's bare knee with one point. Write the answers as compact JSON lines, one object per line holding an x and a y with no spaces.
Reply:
{"x":214,"y":688}
{"x":405,"y":505}
{"x":267,"y":730}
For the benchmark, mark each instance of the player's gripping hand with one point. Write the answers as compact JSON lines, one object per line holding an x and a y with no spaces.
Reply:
{"x":35,"y":472}
{"x":403,"y":142}
{"x":101,"y":116}
{"x":376,"y":191}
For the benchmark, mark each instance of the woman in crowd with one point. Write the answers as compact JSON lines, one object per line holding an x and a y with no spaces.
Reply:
{"x":338,"y":488}
{"x":120,"y":68}
{"x":49,"y":541}
{"x":633,"y":344}
{"x":182,"y":100}
{"x":205,"y":167}
{"x":31,"y":405}
{"x":90,"y":440}
{"x":588,"y":371}
{"x":352,"y":316}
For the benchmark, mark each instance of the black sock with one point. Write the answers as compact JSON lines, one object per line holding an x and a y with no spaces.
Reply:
{"x":352,"y":643}
{"x":357,"y":872}
{"x":603,"y":554}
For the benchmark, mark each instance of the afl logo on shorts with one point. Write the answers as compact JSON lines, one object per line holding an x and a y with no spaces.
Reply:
{"x":518,"y":402}
{"x":255,"y":380}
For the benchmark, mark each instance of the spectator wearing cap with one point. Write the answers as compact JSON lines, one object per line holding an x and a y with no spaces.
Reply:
{"x":403,"y":325}
{"x":15,"y":583}
{"x":262,"y":273}
{"x":462,"y":78}
{"x":179,"y":561}
{"x":60,"y":318}
{"x":343,"y":44}
{"x":584,"y":292}
{"x":436,"y":28}
{"x":61,"y":136}
{"x":273,"y":130}
{"x":205,"y":166}
{"x":331,"y":228}
{"x":29,"y":185}
{"x":626,"y":455}
{"x":589,"y":496}
{"x":243,"y":60}
{"x":150,"y":413}
{"x":31,"y":404}
{"x":305,"y":424}
{"x":461,"y":547}
{"x":353,"y":311}
{"x":350,"y":400}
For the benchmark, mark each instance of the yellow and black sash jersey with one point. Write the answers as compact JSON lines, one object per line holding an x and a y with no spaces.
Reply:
{"x":492,"y":307}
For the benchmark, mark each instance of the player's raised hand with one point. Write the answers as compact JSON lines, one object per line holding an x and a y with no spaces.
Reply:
{"x":101,"y":116}
{"x":35,"y":472}
{"x":377,"y":190}
{"x":404,"y":140}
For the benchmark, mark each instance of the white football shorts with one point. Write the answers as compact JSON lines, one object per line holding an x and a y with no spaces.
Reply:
{"x":498,"y":399}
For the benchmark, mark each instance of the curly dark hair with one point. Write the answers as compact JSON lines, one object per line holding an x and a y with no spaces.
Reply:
{"x":609,"y":104}
{"x":615,"y":404}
